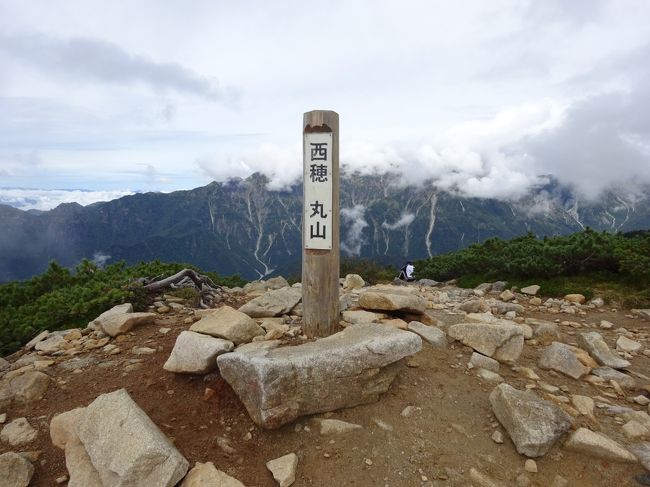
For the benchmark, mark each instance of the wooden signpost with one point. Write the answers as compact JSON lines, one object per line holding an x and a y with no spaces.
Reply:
{"x":320,"y":235}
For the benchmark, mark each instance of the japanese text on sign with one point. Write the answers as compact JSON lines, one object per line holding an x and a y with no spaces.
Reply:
{"x":317,"y":160}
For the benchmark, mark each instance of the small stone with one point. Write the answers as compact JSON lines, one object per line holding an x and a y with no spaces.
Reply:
{"x":530,"y":466}
{"x":626,"y":345}
{"x":641,"y":400}
{"x":335,"y":427}
{"x":284,"y":469}
{"x":407,"y":411}
{"x":3,"y":418}
{"x":164,"y":331}
{"x":483,"y":362}
{"x":606,"y":325}
{"x":584,"y":404}
{"x":61,"y":480}
{"x":368,"y":462}
{"x":635,"y":430}
{"x":18,"y":433}
{"x":560,"y":481}
{"x":15,"y":470}
{"x":497,"y":437}
{"x":489,"y":376}
{"x":530,"y":290}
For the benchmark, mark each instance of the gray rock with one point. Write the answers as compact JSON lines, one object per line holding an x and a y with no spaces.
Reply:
{"x":593,"y":343}
{"x":353,"y":281}
{"x":361,"y":316}
{"x":118,"y":324}
{"x":533,"y":424}
{"x":484,"y":287}
{"x":626,"y":345}
{"x":38,"y":338}
{"x":15,"y":470}
{"x":560,"y":357}
{"x":474,"y":306}
{"x":531,"y":290}
{"x":120,"y":309}
{"x":51,"y":344}
{"x":336,"y":427}
{"x":125,"y":446}
{"x":29,"y":387}
{"x":499,"y":286}
{"x":503,"y":308}
{"x":599,"y":446}
{"x":18,"y":433}
{"x":543,"y":327}
{"x":348,"y":368}
{"x":81,"y":470}
{"x":641,"y":451}
{"x":482,"y":362}
{"x":273,"y":303}
{"x":502,"y":342}
{"x":284,"y":469}
{"x":643,"y":313}
{"x":206,"y":475}
{"x":432,"y":335}
{"x":229,"y":324}
{"x":276,"y":283}
{"x":607,"y":373}
{"x":428,"y":283}
{"x":488,"y":375}
{"x":194,"y":353}
{"x":387,"y":300}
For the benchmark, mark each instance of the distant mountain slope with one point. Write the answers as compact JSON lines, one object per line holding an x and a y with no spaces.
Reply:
{"x":241,"y":227}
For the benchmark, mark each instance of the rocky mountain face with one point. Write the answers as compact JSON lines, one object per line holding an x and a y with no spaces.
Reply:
{"x":242,"y":227}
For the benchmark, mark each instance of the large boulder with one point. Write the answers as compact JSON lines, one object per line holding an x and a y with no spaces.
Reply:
{"x":387,"y":300}
{"x":118,"y":324}
{"x":194,"y":353}
{"x":599,"y":446}
{"x":15,"y":470}
{"x":120,"y":309}
{"x":125,"y":446}
{"x":273,"y":303}
{"x":229,"y":324}
{"x":559,"y":357}
{"x":531,"y":290}
{"x":276,"y":283}
{"x":63,"y":431}
{"x":502,"y":342}
{"x":206,"y":475}
{"x":533,"y":424}
{"x":593,"y":343}
{"x":351,"y":367}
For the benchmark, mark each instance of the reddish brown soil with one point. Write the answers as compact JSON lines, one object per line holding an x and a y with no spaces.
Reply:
{"x":436,"y":446}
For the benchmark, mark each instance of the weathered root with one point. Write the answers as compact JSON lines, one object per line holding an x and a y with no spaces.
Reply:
{"x":209,"y":292}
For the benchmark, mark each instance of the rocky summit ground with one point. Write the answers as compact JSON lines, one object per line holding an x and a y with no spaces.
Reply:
{"x":436,"y":425}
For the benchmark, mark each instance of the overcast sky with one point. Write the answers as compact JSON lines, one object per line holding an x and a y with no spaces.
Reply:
{"x":484,"y":98}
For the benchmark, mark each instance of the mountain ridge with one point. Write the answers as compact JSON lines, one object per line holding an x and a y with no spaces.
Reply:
{"x":240,"y":226}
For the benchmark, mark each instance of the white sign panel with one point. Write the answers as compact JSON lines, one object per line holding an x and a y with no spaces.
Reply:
{"x":317,"y":177}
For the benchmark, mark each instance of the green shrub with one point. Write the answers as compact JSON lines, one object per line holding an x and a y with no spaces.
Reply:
{"x":60,"y":298}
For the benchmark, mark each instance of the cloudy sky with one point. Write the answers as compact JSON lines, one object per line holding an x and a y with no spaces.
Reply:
{"x":482,"y":98}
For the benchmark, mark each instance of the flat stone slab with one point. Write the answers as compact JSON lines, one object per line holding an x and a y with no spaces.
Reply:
{"x":229,"y":324}
{"x":599,"y":446}
{"x":392,"y":301}
{"x":118,"y":324}
{"x":594,"y":343}
{"x":346,"y":369}
{"x":273,"y":303}
{"x":361,"y":316}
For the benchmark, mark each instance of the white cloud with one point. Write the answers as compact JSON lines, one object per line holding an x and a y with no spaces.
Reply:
{"x":41,"y":199}
{"x":405,"y":220}
{"x":354,"y":217}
